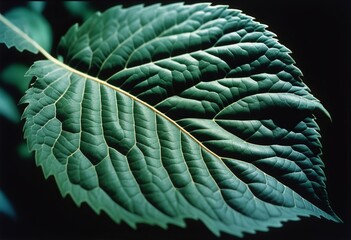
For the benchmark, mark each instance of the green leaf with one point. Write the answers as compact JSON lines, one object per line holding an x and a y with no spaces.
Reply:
{"x":31,"y":23}
{"x":37,"y":6}
{"x":163,"y":113}
{"x":13,"y":75}
{"x":80,"y":9}
{"x":8,"y":108}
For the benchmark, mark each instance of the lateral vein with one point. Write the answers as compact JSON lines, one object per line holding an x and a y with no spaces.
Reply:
{"x":86,"y":76}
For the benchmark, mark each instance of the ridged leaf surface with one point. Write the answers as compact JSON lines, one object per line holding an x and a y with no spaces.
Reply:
{"x":166,"y":113}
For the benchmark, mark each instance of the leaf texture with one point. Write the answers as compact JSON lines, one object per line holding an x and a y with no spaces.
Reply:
{"x":32,"y":24}
{"x":177,"y":112}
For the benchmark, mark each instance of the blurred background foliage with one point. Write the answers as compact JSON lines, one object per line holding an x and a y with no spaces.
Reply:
{"x":318,"y":33}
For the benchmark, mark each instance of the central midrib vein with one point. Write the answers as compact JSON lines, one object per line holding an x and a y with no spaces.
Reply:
{"x":84,"y":75}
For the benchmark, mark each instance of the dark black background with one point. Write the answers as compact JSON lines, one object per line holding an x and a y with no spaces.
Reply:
{"x":317,"y":32}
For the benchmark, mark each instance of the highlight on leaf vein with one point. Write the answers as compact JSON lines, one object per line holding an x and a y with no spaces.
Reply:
{"x":161,"y":113}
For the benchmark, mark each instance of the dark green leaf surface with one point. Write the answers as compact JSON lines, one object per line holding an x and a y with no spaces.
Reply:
{"x":185,"y":112}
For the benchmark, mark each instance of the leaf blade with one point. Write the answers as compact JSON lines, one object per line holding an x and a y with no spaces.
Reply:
{"x":25,"y":30}
{"x":103,"y":135}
